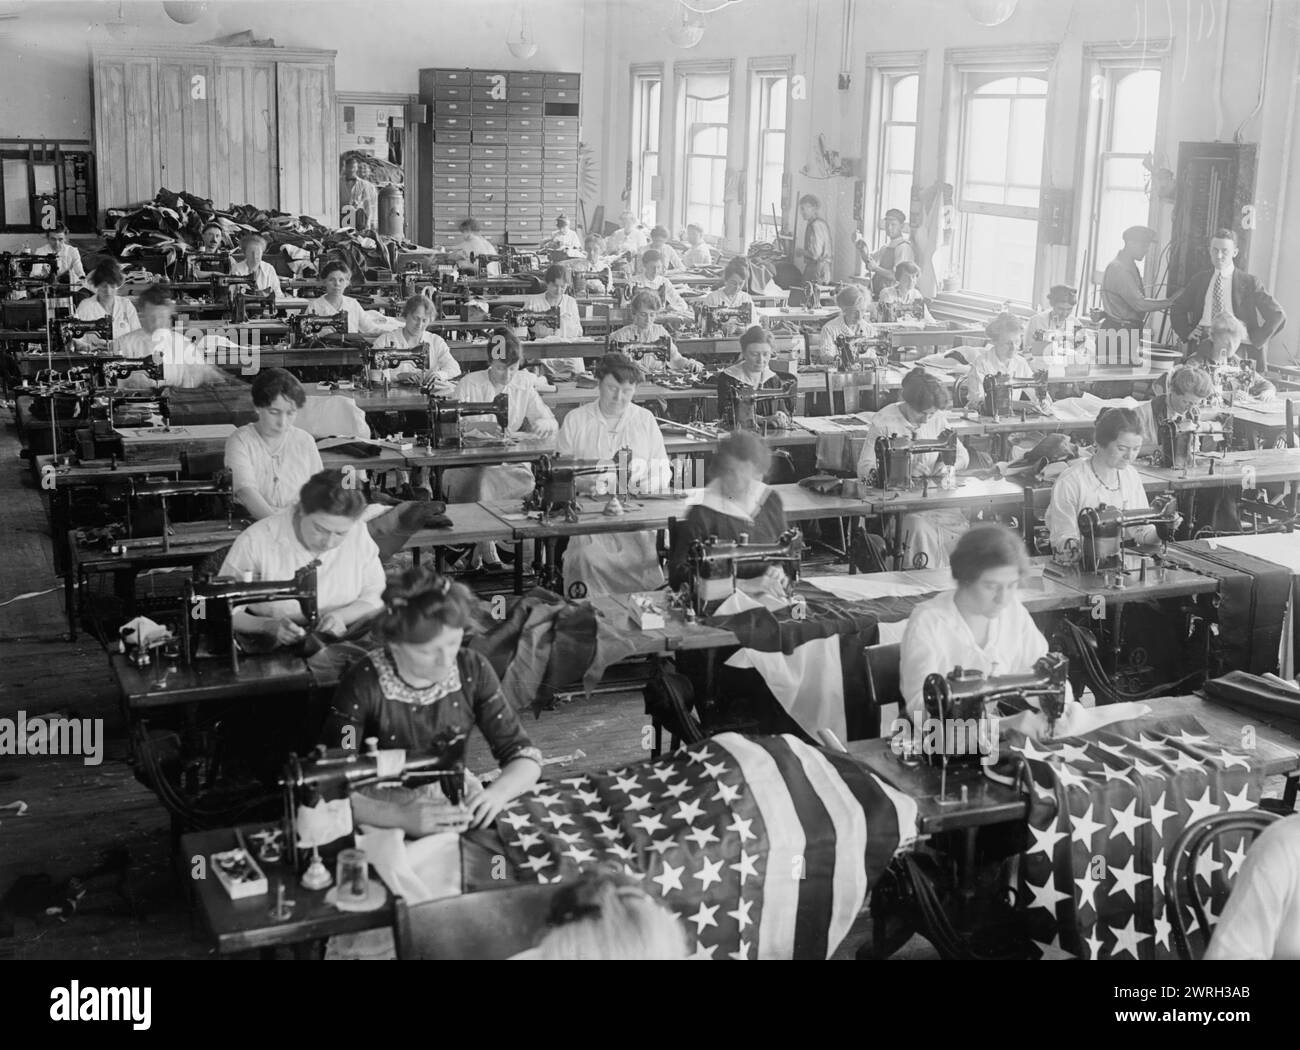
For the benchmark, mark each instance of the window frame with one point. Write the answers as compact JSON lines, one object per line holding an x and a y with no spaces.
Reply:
{"x":761,"y":70}
{"x":882,"y":67}
{"x":641,"y":193}
{"x":35,"y":153}
{"x":682,"y":72}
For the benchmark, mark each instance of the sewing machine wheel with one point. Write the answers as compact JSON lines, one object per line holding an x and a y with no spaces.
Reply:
{"x":873,"y":478}
{"x":920,"y":560}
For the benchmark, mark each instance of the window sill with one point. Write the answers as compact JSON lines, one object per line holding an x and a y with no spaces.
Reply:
{"x":971,"y":306}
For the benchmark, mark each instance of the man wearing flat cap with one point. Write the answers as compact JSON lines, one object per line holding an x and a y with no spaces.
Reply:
{"x":1224,"y":289}
{"x":896,"y":249}
{"x":1123,"y":295}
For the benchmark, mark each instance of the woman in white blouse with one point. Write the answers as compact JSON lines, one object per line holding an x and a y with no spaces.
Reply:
{"x":440,"y":367}
{"x":618,"y":562}
{"x":106,"y":278}
{"x":267,"y":280}
{"x":652,"y":279}
{"x":644,"y":307}
{"x":564,"y":238}
{"x":1105,"y":477}
{"x":732,"y":294}
{"x":698,"y":254}
{"x":325,"y":526}
{"x":929,"y":536}
{"x":337,"y":275}
{"x":1262,"y":917}
{"x":595,"y":264}
{"x":1000,"y":357}
{"x":854,"y":321}
{"x":980,"y":626}
{"x":271,"y":459}
{"x":556,"y":297}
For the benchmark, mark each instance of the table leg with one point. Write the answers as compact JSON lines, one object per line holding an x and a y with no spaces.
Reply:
{"x":519,"y":566}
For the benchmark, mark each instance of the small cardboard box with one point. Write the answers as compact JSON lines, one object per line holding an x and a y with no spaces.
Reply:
{"x":646,"y":612}
{"x":239,"y":874}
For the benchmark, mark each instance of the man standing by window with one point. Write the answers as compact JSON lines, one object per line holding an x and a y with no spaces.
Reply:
{"x":816,"y":242}
{"x":1225,"y":289}
{"x":1124,"y":299}
{"x":896,"y":249}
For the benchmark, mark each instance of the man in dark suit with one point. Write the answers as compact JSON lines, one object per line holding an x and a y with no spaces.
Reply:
{"x":1225,"y":289}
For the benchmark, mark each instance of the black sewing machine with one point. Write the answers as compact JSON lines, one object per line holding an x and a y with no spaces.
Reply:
{"x":896,"y":456}
{"x":211,"y":606}
{"x":163,"y":491}
{"x":1000,"y":399}
{"x":307,"y":330}
{"x":68,"y":329}
{"x":1254,"y":507}
{"x":109,"y":372}
{"x":742,"y":402}
{"x":246,"y":302}
{"x":114,"y":407}
{"x":960,"y":703}
{"x":384,"y":361}
{"x":529,"y":319}
{"x":202,"y":265}
{"x":856,"y":352}
{"x":24,"y":270}
{"x":889,"y":313}
{"x":555,"y":488}
{"x":415,"y":279}
{"x":1182,"y":441}
{"x":714,"y":565}
{"x":649,"y":357}
{"x":328,"y":776}
{"x":729,"y":321}
{"x":1101,"y":532}
{"x":517,"y":261}
{"x":445,"y":419}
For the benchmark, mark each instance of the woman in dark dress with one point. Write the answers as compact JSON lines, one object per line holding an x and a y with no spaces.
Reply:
{"x":420,"y":687}
{"x":752,"y":371}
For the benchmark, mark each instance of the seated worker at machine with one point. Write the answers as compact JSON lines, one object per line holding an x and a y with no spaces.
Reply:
{"x":556,"y":296}
{"x":271,"y":459}
{"x":752,"y":371}
{"x":323,"y":526}
{"x":732,"y":294}
{"x":594,"y":262}
{"x":563,"y":238}
{"x":734,"y":503}
{"x":441,"y":368}
{"x":1107,"y":476}
{"x":473,"y":244}
{"x":337,"y":275}
{"x":253,"y":245}
{"x":500,"y":481}
{"x":1262,"y":917}
{"x":420,"y":686}
{"x":1187,"y":388}
{"x":672,"y":262}
{"x":1056,"y":332}
{"x":919,"y":414}
{"x":651,"y":279}
{"x":212,"y":238}
{"x":854,"y":322}
{"x":106,"y":278}
{"x":630,"y":239}
{"x":698,"y":254}
{"x":1219,"y":356}
{"x":182,"y":364}
{"x":980,"y":626}
{"x":644,"y":308}
{"x":1000,"y":357}
{"x":904,"y":292}
{"x":617,"y":562}
{"x":67,"y":267}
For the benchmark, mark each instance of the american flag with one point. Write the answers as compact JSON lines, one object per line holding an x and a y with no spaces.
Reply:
{"x":1105,"y":811}
{"x":765,"y":847}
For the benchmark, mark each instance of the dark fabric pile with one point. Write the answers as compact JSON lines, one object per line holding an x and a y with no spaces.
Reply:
{"x":169,"y":226}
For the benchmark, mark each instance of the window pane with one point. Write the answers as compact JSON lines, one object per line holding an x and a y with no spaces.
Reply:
{"x":18,"y":206}
{"x":903,"y":98}
{"x":45,"y":182}
{"x":776,"y":96}
{"x":1137,"y":99}
{"x":896,"y":192}
{"x":986,"y":140}
{"x":649,"y":169}
{"x":900,"y":147}
{"x":999,"y":254}
{"x":1027,"y":144}
{"x":707,"y":140}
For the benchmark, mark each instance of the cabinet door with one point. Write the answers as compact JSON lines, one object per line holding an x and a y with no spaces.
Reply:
{"x":126,"y":130}
{"x":243,"y":140}
{"x":185,"y":121}
{"x":308,"y":140}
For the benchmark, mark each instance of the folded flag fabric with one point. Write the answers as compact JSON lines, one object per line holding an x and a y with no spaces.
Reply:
{"x":765,"y":847}
{"x":1105,"y":810}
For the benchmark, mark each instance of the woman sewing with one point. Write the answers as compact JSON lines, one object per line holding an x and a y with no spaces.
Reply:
{"x":1106,"y":477}
{"x":980,"y":626}
{"x":440,"y":369}
{"x":271,"y":458}
{"x":501,"y":481}
{"x":337,"y":275}
{"x":652,"y":279}
{"x":752,"y":372}
{"x":1218,"y":356}
{"x":419,"y":687}
{"x":106,"y":278}
{"x":735,"y":503}
{"x":1000,"y":357}
{"x":668,"y":257}
{"x":732,"y":294}
{"x":472,"y":246}
{"x":646,"y":331}
{"x":1187,"y":388}
{"x":595,"y":266}
{"x":253,"y":245}
{"x":854,"y":321}
{"x":556,"y":297}
{"x":619,"y":562}
{"x":903,"y":295}
{"x":564,"y":238}
{"x":324,"y":526}
{"x":926,"y":538}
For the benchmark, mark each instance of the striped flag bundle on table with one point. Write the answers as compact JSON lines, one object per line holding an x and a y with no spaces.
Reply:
{"x":1106,"y":809}
{"x":765,"y":847}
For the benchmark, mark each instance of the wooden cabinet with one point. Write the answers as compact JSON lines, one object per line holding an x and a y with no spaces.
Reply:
{"x":237,"y":125}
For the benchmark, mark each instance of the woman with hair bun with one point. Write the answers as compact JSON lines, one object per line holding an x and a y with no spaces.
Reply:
{"x":604,"y":914}
{"x":420,"y":687}
{"x":1000,"y":357}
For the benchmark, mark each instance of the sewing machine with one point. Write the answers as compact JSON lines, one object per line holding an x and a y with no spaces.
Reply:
{"x":68,"y":329}
{"x":555,"y":488}
{"x":305,"y":330}
{"x":726,"y":321}
{"x":713,"y":564}
{"x":649,"y":357}
{"x":853,"y":349}
{"x":517,"y":318}
{"x":1101,"y":531}
{"x":1181,"y":440}
{"x":246,"y":302}
{"x":896,"y":456}
{"x":1254,"y":504}
{"x":163,"y":490}
{"x":202,"y":265}
{"x":515,"y":260}
{"x":960,"y":701}
{"x":999,"y":390}
{"x":328,"y":776}
{"x":740,"y":406}
{"x":414,"y":279}
{"x":377,"y":365}
{"x":113,"y":406}
{"x":446,"y":428}
{"x":108,"y":373}
{"x":24,"y":270}
{"x":212,"y":604}
{"x":890,"y":313}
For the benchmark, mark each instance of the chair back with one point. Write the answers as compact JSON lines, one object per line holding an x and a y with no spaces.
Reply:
{"x":882,"y":677}
{"x":492,"y":924}
{"x":1290,"y":423}
{"x":1182,"y":885}
{"x":1037,"y":501}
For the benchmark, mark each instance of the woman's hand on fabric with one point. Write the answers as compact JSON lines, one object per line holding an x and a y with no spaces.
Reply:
{"x":782,"y":420}
{"x":333,"y":625}
{"x":547,"y":427}
{"x":484,"y":806}
{"x":285,"y":631}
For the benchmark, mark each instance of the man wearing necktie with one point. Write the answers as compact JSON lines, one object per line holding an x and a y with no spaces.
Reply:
{"x":1226,"y":290}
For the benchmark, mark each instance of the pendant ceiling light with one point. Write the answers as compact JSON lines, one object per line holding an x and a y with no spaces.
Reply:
{"x":707,"y":7}
{"x":520,"y":38}
{"x":186,"y":12}
{"x":685,"y":27}
{"x":991,"y":12}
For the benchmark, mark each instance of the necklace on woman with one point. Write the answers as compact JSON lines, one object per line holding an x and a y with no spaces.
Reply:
{"x":1100,"y":481}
